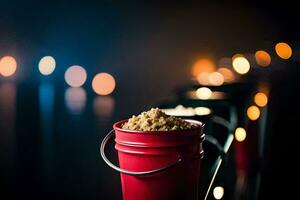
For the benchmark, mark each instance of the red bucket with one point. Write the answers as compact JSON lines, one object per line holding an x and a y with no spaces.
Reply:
{"x":160,"y":165}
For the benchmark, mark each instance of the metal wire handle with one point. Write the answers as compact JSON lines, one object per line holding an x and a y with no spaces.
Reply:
{"x":102,"y":148}
{"x":209,"y":139}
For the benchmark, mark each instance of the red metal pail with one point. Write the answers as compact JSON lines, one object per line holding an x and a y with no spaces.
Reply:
{"x":158,"y":165}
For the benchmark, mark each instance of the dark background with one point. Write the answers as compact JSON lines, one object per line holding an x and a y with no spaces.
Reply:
{"x":149,"y":47}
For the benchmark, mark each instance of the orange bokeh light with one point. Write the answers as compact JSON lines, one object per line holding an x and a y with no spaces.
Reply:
{"x":262,"y":58}
{"x":8,"y":66}
{"x":227,"y":74}
{"x":283,"y":50}
{"x":103,"y":84}
{"x":203,"y":65}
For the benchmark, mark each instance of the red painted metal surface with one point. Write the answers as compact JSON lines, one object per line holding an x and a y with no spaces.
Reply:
{"x":143,"y":151}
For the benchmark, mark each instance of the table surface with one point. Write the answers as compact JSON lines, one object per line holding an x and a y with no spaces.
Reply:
{"x":50,"y":138}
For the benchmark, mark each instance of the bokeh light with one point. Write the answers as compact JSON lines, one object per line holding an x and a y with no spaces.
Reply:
{"x":262,"y":58}
{"x":240,"y":134}
{"x":75,"y":99}
{"x":8,"y":66}
{"x":261,"y":99}
{"x":283,"y":50}
{"x":203,"y":65}
{"x":218,"y":192}
{"x":75,"y":76}
{"x":253,"y":113}
{"x":241,"y":65}
{"x":203,"y":78}
{"x":202,"y":111}
{"x":203,"y":93}
{"x":227,"y":74}
{"x":225,"y":62}
{"x":216,"y":79}
{"x":103,"y":84}
{"x":237,"y":55}
{"x":47,"y":65}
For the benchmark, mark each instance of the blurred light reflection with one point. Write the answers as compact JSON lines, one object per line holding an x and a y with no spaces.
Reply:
{"x":75,"y":100}
{"x":7,"y":124}
{"x":203,"y":65}
{"x":104,"y":108}
{"x":262,"y":58}
{"x":253,"y":113}
{"x":241,"y":65}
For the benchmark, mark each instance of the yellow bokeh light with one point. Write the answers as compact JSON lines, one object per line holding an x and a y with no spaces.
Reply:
{"x":47,"y":65}
{"x":241,"y":65}
{"x":202,"y":111}
{"x":240,"y":134}
{"x":261,"y":99}
{"x":75,"y":76}
{"x":283,"y":50}
{"x":202,"y":78}
{"x":8,"y":66}
{"x":237,"y":55}
{"x":227,"y":74}
{"x":203,"y":93}
{"x":216,"y":79}
{"x":253,"y":113}
{"x":262,"y":58}
{"x":218,"y":192}
{"x":203,"y":65}
{"x":103,"y":84}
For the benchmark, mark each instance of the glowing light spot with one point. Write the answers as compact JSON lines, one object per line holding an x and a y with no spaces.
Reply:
{"x":227,"y":74}
{"x":218,"y":192}
{"x":236,"y":56}
{"x":202,"y":111}
{"x":262,"y":58}
{"x":240,"y":134}
{"x":180,"y":110}
{"x":241,"y":65}
{"x":75,"y":76}
{"x":47,"y":65}
{"x":253,"y":113}
{"x":203,"y":93}
{"x":202,"y":78}
{"x":216,"y":79}
{"x":203,"y":65}
{"x":225,"y":62}
{"x":8,"y":66}
{"x":75,"y":99}
{"x":103,"y":84}
{"x":261,"y":99}
{"x":283,"y":50}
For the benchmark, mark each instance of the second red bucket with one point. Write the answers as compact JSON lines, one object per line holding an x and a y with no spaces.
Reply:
{"x":158,"y":165}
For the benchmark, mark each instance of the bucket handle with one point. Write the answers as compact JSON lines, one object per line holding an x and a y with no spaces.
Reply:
{"x":209,"y":139}
{"x":102,"y":149}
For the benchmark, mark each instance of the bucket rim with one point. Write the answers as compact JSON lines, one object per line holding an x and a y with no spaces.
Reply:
{"x":199,"y":126}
